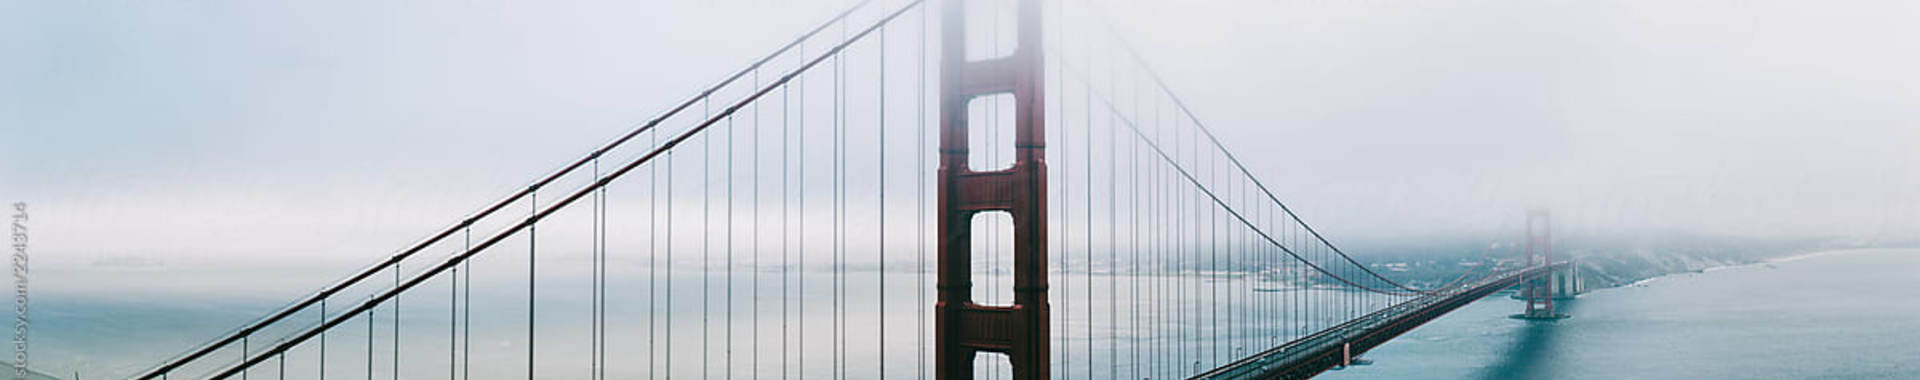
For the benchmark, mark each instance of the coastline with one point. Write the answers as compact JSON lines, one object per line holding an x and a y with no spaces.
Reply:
{"x":1764,"y":261}
{"x":1831,"y":252}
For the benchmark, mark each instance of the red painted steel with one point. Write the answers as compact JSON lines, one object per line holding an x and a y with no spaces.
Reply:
{"x":1540,"y":239}
{"x":964,"y":329}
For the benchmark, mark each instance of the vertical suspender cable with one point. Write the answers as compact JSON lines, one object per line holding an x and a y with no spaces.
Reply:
{"x":785,"y":97}
{"x":601,"y":286}
{"x":599,"y":276}
{"x":1133,"y":191}
{"x":602,"y":298}
{"x":1170,"y":257}
{"x":396,"y":323}
{"x":706,"y":254}
{"x":1159,"y":215}
{"x":754,"y":232}
{"x":838,"y":216}
{"x":1240,"y":266}
{"x":1255,"y":315}
{"x":833,"y":209}
{"x":1236,"y":302}
{"x":1186,"y":205}
{"x":728,"y":344}
{"x":533,"y":208}
{"x":1194,"y":256}
{"x":882,"y":163}
{"x":653,"y":264}
{"x":846,"y":216}
{"x":369,"y":343}
{"x":593,"y":355}
{"x":466,"y":328}
{"x":1152,"y":260}
{"x":920,"y":200}
{"x":453,"y":325}
{"x":1213,"y":287}
{"x":1308,"y":300}
{"x":667,"y":326}
{"x":1177,"y":209}
{"x":1316,"y":305}
{"x":1226,"y":276}
{"x":1065,"y":227}
{"x":1161,"y":254}
{"x":1274,"y":307}
{"x":1070,"y":216}
{"x":1113,"y":254}
{"x":800,"y":210}
{"x":846,"y":303}
{"x":1189,"y":286}
{"x":322,"y":367}
{"x":1088,"y":235}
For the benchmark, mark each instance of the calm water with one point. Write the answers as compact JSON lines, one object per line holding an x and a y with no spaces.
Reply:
{"x":1850,"y":315}
{"x":111,"y":335}
{"x":1854,"y":315}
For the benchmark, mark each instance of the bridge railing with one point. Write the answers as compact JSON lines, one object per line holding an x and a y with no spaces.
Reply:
{"x":1352,"y":337}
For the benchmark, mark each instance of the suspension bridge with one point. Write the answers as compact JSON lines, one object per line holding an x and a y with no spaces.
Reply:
{"x":910,"y":189}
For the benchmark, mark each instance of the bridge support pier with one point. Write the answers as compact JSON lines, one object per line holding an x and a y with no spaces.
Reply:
{"x":964,"y":329}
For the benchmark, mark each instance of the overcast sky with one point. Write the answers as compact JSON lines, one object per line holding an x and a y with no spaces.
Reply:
{"x":236,"y":127}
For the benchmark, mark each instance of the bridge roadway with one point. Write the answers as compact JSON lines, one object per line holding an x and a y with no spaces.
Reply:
{"x":1333,"y":347}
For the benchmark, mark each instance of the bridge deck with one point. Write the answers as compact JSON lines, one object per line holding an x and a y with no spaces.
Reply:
{"x":1311,"y":355}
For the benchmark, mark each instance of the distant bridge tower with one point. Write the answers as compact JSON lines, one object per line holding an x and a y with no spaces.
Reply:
{"x":1567,"y":284}
{"x":962,"y":328}
{"x":1539,"y":292}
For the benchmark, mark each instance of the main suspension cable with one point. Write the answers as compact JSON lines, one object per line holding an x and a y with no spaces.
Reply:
{"x":1160,"y":82}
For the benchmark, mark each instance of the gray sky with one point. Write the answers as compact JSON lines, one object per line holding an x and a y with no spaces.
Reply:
{"x":1750,"y":117}
{"x":350,"y":128}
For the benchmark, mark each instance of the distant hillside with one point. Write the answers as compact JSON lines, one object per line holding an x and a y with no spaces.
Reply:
{"x":1608,"y":262}
{"x":1605,"y":261}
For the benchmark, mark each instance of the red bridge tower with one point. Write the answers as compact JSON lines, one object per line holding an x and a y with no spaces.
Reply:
{"x":1539,"y":292}
{"x":963,"y":328}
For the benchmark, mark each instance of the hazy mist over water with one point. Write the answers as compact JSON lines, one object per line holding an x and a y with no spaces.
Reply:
{"x":112,"y":335}
{"x":193,"y":166}
{"x":1844,"y":315}
{"x":1848,"y":315}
